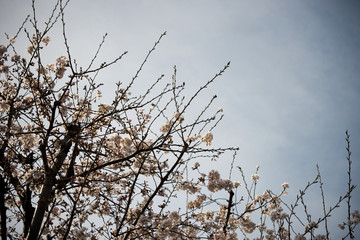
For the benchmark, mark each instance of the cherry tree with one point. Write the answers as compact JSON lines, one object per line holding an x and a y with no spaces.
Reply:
{"x":74,"y":167}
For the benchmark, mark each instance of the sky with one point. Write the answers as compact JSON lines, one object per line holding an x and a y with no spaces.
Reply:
{"x":291,"y":91}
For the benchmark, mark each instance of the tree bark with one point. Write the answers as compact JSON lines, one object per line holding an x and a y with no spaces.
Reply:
{"x":28,"y":210}
{"x":3,"y":208}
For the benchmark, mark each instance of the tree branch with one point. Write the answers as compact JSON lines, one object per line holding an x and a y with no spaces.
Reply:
{"x":231,"y":195}
{"x":159,"y":186}
{"x":49,"y":182}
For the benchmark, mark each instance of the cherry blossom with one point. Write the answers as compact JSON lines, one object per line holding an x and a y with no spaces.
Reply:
{"x":75,"y":167}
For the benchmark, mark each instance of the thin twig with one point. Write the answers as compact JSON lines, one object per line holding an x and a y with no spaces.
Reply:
{"x":323,"y":201}
{"x":350,"y":187}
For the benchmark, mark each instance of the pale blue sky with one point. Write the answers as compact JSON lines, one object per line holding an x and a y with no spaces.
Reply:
{"x":291,"y":91}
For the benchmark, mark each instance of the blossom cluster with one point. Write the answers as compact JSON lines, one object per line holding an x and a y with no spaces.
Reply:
{"x":207,"y":138}
{"x":216,"y":183}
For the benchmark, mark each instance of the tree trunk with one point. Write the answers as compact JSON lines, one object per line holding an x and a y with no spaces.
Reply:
{"x":47,"y":188}
{"x":3,"y":208}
